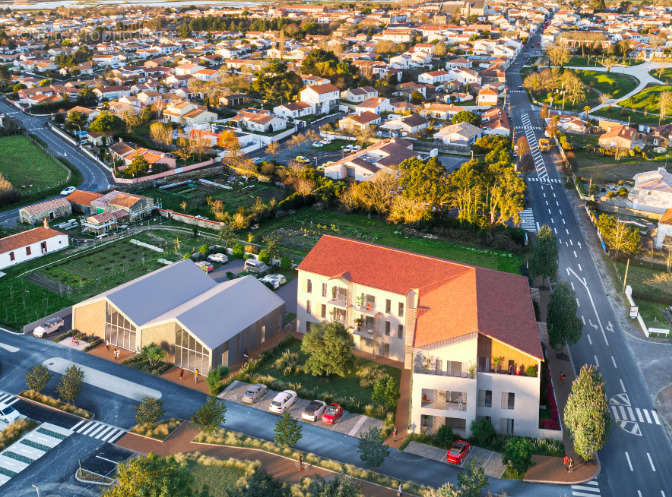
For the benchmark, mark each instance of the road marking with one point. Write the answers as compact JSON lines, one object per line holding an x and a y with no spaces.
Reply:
{"x":639,"y":415}
{"x":575,"y":254}
{"x":567,"y":231}
{"x":572,"y":243}
{"x":578,"y":304}
{"x":662,"y":494}
{"x":8,"y":399}
{"x":9,"y":348}
{"x":579,"y":244}
{"x":646,"y":415}
{"x":610,"y":326}
{"x":552,"y":222}
{"x":590,"y":297}
{"x":639,"y":493}
{"x":580,"y":268}
{"x":596,"y":361}
{"x":590,"y":341}
{"x":654,"y":414}
{"x":583,"y":320}
{"x":653,"y":468}
{"x":622,"y":384}
{"x":629,"y":463}
{"x":358,"y":426}
{"x":613,"y":361}
{"x":563,"y":221}
{"x":572,"y":283}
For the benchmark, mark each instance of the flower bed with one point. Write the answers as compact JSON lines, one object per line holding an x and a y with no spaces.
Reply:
{"x":224,"y":437}
{"x":15,"y":431}
{"x":55,"y":403}
{"x":140,"y":363}
{"x":93,"y":341}
{"x":158,"y":431}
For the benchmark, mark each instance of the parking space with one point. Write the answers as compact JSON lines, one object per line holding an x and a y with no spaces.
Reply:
{"x":349,"y":423}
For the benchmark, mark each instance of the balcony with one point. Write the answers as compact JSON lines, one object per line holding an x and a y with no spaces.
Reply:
{"x":501,"y":365}
{"x":339,"y":301}
{"x":441,"y":400}
{"x":430,"y":365}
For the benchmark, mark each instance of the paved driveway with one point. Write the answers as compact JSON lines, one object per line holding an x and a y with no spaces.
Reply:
{"x":288,"y":293}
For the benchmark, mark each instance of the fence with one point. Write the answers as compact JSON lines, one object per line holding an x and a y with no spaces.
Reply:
{"x":647,"y":331}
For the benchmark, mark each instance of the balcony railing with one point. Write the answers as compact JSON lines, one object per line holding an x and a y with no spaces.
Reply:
{"x":442,"y":404}
{"x":420,"y":368}
{"x":338,"y":301}
{"x":512,"y":371}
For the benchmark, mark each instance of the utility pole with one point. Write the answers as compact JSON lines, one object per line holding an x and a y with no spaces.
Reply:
{"x":625,"y":278}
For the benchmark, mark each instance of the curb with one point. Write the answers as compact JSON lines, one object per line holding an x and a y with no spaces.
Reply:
{"x":42,"y":404}
{"x":147,"y":437}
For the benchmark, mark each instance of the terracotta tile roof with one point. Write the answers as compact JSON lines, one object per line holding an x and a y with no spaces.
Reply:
{"x":18,"y":240}
{"x":83,"y":197}
{"x":47,"y":205}
{"x":454,"y":299}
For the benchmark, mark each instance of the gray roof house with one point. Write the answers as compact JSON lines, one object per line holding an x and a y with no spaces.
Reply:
{"x":200,"y":323}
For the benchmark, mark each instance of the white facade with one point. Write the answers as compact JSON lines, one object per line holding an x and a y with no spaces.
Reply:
{"x":322,"y":101}
{"x":33,"y":250}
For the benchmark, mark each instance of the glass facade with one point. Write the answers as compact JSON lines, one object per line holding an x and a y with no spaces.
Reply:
{"x":189,"y":353}
{"x":119,"y":331}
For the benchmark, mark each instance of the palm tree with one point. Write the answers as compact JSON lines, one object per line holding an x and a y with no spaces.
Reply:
{"x":586,"y":109}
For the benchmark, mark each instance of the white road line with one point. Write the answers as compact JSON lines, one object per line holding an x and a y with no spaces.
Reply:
{"x":358,"y":426}
{"x":584,"y":494}
{"x":563,"y":221}
{"x":109,"y":435}
{"x":571,"y":243}
{"x":655,"y":416}
{"x":622,"y":413}
{"x":590,"y":340}
{"x":622,"y":385}
{"x":579,"y":244}
{"x":567,"y":231}
{"x":613,"y":361}
{"x":639,"y":493}
{"x":646,"y":415}
{"x":596,"y":361}
{"x":105,"y":432}
{"x":614,"y":412}
{"x":592,"y":303}
{"x":552,"y":222}
{"x":581,"y":487}
{"x":580,"y":268}
{"x":629,"y":463}
{"x":639,"y":415}
{"x":575,"y":254}
{"x":662,"y":494}
{"x":631,"y":415}
{"x":583,"y":320}
{"x":572,"y":283}
{"x":538,"y":227}
{"x":9,"y":348}
{"x":578,"y":304}
{"x":78,"y":425}
{"x":653,"y":468}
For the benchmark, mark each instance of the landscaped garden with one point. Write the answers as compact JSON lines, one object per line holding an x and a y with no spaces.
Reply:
{"x":300,"y":231}
{"x":628,"y":115}
{"x":647,"y":100}
{"x":663,"y":74}
{"x":614,"y":84}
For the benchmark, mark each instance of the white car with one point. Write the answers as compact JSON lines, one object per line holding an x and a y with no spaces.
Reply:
{"x":9,"y":415}
{"x":48,"y":327}
{"x":221,"y":258}
{"x":314,"y":410}
{"x":283,"y":401}
{"x":317,"y":145}
{"x":255,"y":266}
{"x":68,"y":190}
{"x":275,"y":280}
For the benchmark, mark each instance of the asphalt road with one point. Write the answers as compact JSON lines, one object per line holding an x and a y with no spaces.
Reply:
{"x":636,"y":459}
{"x":94,"y":177}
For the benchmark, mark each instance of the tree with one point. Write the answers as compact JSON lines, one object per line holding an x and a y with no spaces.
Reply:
{"x":472,"y":480}
{"x":210,"y":415}
{"x":139,"y":167}
{"x":272,"y":148}
{"x":466,"y":116}
{"x":76,"y":118}
{"x":108,"y":124}
{"x":621,"y":238}
{"x":329,"y":349}
{"x":161,"y":133}
{"x":37,"y":378}
{"x":417,"y":98}
{"x":426,"y":181}
{"x":148,"y":411}
{"x":544,"y":259}
{"x":215,"y":377}
{"x":587,"y":413}
{"x":665,"y":105}
{"x":372,"y":448}
{"x":482,"y":431}
{"x":518,"y":454}
{"x":564,"y":326}
{"x":152,"y":476}
{"x":558,"y":55}
{"x":522,"y":146}
{"x":71,"y":384}
{"x":153,"y":354}
{"x":385,"y":391}
{"x":287,"y":431}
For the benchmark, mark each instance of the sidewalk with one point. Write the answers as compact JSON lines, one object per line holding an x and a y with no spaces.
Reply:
{"x":278,"y":467}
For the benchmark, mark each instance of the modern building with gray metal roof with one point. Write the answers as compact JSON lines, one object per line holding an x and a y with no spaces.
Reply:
{"x":200,"y":323}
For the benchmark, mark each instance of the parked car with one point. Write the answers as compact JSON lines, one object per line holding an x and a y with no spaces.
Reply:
{"x":255,"y":266}
{"x":275,"y":280}
{"x":332,"y":413}
{"x":314,"y":410}
{"x":318,"y":144}
{"x":205,"y":266}
{"x":458,"y":452}
{"x":218,"y":257}
{"x":9,"y":415}
{"x":68,"y":190}
{"x":48,"y":327}
{"x":301,"y":158}
{"x":283,"y":401}
{"x":254,"y":393}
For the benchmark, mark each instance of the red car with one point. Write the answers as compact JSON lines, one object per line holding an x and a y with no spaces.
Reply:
{"x":332,"y":413}
{"x":458,"y":452}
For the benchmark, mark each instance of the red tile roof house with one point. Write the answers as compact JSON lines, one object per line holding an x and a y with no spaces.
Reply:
{"x":468,"y":334}
{"x":30,"y":244}
{"x":49,"y":209}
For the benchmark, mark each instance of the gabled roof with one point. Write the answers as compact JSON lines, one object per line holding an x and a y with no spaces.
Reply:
{"x":454,"y":299}
{"x":25,"y":238}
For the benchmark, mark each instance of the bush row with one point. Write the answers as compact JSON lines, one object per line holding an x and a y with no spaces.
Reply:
{"x":58,"y":404}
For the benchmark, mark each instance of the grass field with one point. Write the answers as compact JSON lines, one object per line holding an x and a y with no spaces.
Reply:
{"x":591,"y":100}
{"x":614,"y":84}
{"x":635,"y":117}
{"x":28,"y":168}
{"x":646,"y":100}
{"x":299,"y":232}
{"x":664,"y":74}
{"x":581,"y":61}
{"x":220,"y":480}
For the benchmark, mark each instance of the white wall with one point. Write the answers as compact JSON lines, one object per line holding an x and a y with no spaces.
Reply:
{"x":54,"y":243}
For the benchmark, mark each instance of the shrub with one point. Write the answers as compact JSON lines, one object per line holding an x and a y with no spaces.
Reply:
{"x":214,"y":379}
{"x":518,"y":454}
{"x":238,"y":251}
{"x":264,"y":256}
{"x":445,"y":436}
{"x":531,"y":371}
{"x":148,"y":411}
{"x":288,"y":363}
{"x":482,"y":431}
{"x":71,"y":384}
{"x":210,"y":415}
{"x":37,"y":378}
{"x":285,"y":263}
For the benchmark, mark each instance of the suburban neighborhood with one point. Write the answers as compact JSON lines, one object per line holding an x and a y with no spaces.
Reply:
{"x":336,"y":249}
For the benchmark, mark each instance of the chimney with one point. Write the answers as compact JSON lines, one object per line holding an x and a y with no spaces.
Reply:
{"x":45,"y":222}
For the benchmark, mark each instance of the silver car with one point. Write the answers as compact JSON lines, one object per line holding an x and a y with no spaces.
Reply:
{"x":314,"y":410}
{"x":254,"y":393}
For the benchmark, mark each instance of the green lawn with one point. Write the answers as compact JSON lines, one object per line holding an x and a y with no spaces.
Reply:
{"x":592,"y":99}
{"x":299,"y":232}
{"x":614,"y":84}
{"x":664,"y":74}
{"x":648,"y":282}
{"x":353,"y":392}
{"x":28,"y":168}
{"x":581,"y":61}
{"x":625,"y":114}
{"x":652,"y":313}
{"x":646,"y":100}
{"x":220,"y":480}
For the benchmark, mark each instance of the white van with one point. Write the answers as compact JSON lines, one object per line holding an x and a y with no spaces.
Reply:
{"x":255,"y":266}
{"x":48,"y":327}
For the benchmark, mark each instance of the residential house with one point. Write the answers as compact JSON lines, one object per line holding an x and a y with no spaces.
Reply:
{"x":80,"y":200}
{"x":487,"y":97}
{"x":259,"y":120}
{"x":468,"y":335}
{"x":435,"y":77}
{"x":126,"y":153}
{"x":618,"y":136}
{"x":652,"y":191}
{"x":293,"y":110}
{"x":376,"y":105}
{"x":49,"y":209}
{"x":358,"y":122}
{"x":461,"y":134}
{"x":406,"y":125}
{"x":358,"y":95}
{"x":323,"y":98}
{"x":30,"y":244}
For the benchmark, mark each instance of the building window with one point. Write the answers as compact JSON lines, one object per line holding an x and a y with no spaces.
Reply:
{"x":400,"y":331}
{"x":386,"y":349}
{"x":387,"y":328}
{"x":507,"y":425}
{"x":27,"y":250}
{"x":43,"y":246}
{"x":401,"y":309}
{"x":485,"y":398}
{"x":323,"y":311}
{"x":190,"y":353}
{"x":119,"y":331}
{"x":309,"y":286}
{"x":388,"y":306}
{"x":11,"y":256}
{"x":324,"y":289}
{"x":508,"y":400}
{"x":263,"y":333}
{"x":308,"y":306}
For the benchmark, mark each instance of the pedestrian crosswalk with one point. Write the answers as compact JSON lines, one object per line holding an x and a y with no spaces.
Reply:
{"x":545,"y":180}
{"x":29,"y":449}
{"x":527,"y":221}
{"x":629,"y":413}
{"x":98,"y":430}
{"x":588,"y":489}
{"x":539,"y":164}
{"x":8,"y":399}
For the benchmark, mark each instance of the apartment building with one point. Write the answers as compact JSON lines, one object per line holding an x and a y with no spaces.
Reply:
{"x":467,"y":334}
